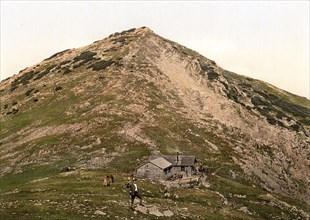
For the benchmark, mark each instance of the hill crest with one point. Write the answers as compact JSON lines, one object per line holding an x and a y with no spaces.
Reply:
{"x":113,"y":103}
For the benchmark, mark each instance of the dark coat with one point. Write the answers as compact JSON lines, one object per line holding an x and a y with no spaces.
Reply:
{"x":132,"y":188}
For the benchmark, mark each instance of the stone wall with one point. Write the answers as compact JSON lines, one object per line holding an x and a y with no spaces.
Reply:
{"x":150,"y":171}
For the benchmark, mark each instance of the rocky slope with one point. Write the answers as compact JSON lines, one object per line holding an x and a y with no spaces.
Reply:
{"x":113,"y":103}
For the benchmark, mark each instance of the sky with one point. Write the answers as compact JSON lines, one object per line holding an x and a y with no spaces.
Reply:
{"x":266,"y":40}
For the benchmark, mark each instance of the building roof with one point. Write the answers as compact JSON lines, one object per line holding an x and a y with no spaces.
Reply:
{"x":177,"y":160}
{"x":161,"y":163}
{"x":181,"y":160}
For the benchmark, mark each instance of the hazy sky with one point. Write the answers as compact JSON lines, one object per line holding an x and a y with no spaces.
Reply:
{"x":267,"y":40}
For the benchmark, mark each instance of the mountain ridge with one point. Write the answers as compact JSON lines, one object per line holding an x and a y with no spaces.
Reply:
{"x":113,"y":103}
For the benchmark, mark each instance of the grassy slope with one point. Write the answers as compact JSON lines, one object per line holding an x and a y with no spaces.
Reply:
{"x":64,"y":197}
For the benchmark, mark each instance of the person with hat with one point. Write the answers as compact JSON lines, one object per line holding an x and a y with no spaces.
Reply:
{"x":133,"y":191}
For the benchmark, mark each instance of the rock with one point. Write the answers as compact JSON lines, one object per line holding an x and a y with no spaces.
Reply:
{"x":167,"y":195}
{"x":154,"y":211}
{"x":184,"y":209}
{"x":245,"y":210}
{"x":168,"y":213}
{"x":98,"y":212}
{"x":142,"y":209}
{"x":233,"y":174}
{"x":240,"y":196}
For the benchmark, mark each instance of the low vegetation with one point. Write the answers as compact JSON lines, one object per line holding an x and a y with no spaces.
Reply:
{"x":88,"y":113}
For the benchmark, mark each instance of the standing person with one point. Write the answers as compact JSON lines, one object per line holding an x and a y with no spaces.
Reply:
{"x":133,"y":191}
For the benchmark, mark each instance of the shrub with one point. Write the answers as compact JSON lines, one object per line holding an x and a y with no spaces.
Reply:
{"x":246,"y":85}
{"x":281,"y":124}
{"x":271,"y":120}
{"x":305,"y":122}
{"x":56,"y":54}
{"x":85,"y":56}
{"x":294,"y":109}
{"x":66,"y":70}
{"x":295,"y":127}
{"x":45,"y":72}
{"x":258,"y":101}
{"x":15,"y":110}
{"x":225,"y":85}
{"x":101,"y":65}
{"x":57,"y":88}
{"x":128,"y":31}
{"x":64,"y":62}
{"x":80,"y":64}
{"x":13,"y":88}
{"x":121,"y":39}
{"x":212,"y":75}
{"x":280,"y":115}
{"x":233,"y":94}
{"x":112,"y":49}
{"x":28,"y":92}
{"x":23,"y":79}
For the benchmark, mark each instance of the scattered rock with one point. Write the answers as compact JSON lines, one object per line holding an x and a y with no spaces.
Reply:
{"x":167,"y":195}
{"x":154,"y":211}
{"x":141,"y":209}
{"x":98,"y":212}
{"x":168,"y":213}
{"x":240,"y":196}
{"x":245,"y":210}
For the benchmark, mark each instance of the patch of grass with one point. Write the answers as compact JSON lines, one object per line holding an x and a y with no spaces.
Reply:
{"x":128,"y":162}
{"x":12,"y":181}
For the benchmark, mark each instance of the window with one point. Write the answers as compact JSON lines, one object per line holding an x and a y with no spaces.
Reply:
{"x":182,"y":168}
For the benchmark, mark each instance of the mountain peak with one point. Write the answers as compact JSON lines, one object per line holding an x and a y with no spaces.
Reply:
{"x":111,"y":104}
{"x":134,"y":31}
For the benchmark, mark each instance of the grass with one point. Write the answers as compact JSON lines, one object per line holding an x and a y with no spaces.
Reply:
{"x":263,"y":86}
{"x":63,"y":197}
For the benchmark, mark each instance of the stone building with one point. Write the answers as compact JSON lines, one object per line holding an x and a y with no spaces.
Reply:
{"x":163,"y":167}
{"x":158,"y":168}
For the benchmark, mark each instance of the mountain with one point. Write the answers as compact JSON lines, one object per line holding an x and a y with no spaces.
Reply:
{"x":108,"y":106}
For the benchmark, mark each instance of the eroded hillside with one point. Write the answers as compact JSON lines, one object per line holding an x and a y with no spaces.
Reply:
{"x":113,"y":103}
